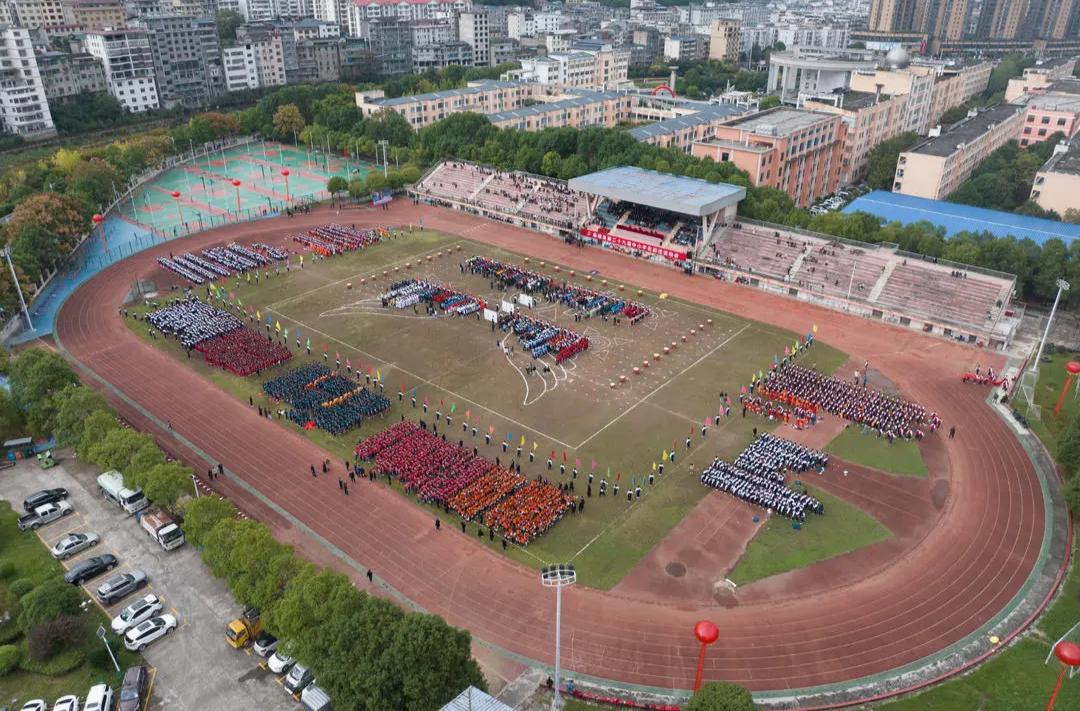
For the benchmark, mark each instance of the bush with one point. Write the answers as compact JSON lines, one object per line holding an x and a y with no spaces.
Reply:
{"x":49,"y":638}
{"x":63,"y":663}
{"x":21,"y":587}
{"x":9,"y":659}
{"x":721,"y":696}
{"x":7,"y":569}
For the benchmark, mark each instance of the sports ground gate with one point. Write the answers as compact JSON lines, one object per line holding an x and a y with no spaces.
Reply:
{"x":695,"y":207}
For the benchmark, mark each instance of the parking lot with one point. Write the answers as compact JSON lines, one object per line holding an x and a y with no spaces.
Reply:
{"x":194,"y":666}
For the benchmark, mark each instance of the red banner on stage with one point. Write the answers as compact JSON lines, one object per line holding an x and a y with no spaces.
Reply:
{"x":664,"y":252}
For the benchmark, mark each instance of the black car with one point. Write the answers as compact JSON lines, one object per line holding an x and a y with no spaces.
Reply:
{"x":40,"y":498}
{"x":90,"y":568}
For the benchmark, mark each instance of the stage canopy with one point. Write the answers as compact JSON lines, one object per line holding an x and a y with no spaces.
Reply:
{"x":686,"y":196}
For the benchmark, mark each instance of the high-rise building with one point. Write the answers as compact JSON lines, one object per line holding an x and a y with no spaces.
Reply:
{"x":240,"y":70}
{"x":97,"y":14}
{"x":724,"y":40}
{"x":1027,"y":19}
{"x":318,"y":60}
{"x":474,"y":27}
{"x":187,"y":59}
{"x":68,"y":75}
{"x":129,"y":66}
{"x":390,"y":41}
{"x":24,"y":107}
{"x":33,"y":14}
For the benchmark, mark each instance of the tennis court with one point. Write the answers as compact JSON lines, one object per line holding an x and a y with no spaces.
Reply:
{"x":207,"y":197}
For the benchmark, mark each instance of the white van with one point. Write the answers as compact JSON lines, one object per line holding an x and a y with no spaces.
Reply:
{"x":100,"y":698}
{"x":313,"y":698}
{"x":111,"y":484}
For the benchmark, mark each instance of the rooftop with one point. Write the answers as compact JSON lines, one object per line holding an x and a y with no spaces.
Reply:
{"x":1065,"y":162}
{"x":1051,"y":63}
{"x":965,"y":131}
{"x":907,"y":209}
{"x":780,"y":121}
{"x":672,"y":125}
{"x":448,"y":94}
{"x":686,"y":196}
{"x":1054,"y":101}
{"x":472,"y":699}
{"x":1065,"y":86}
{"x":854,"y":100}
{"x":738,"y":145}
{"x":553,"y":106}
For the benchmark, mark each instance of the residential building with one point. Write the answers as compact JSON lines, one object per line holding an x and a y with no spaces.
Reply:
{"x":474,"y":27}
{"x":97,"y":14}
{"x":650,"y":39}
{"x":33,"y":14}
{"x":869,"y":118}
{"x":724,"y":40}
{"x":318,"y":59}
{"x":485,"y":97}
{"x":1057,"y":183}
{"x":1028,"y":19}
{"x":187,"y":59}
{"x":938,"y":165}
{"x":444,"y":54}
{"x":942,"y":19}
{"x":1038,"y":78}
{"x":429,"y":32}
{"x":600,"y":66}
{"x":310,"y":28}
{"x":559,"y":40}
{"x":258,"y":10}
{"x":266,"y":48}
{"x":390,"y":40}
{"x":793,"y":150}
{"x":66,"y":75}
{"x":503,"y":50}
{"x":686,"y":48}
{"x":129,"y":66}
{"x":24,"y":106}
{"x":1048,"y":114}
{"x":240,"y":70}
{"x":915,"y":81}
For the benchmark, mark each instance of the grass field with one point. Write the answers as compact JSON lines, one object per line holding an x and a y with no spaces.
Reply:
{"x":572,"y":410}
{"x":32,"y":561}
{"x":900,"y":457}
{"x":778,"y":547}
{"x":1051,"y":380}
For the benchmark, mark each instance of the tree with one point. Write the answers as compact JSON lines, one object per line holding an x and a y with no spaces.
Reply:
{"x":166,"y":483}
{"x":376,"y":181}
{"x":1072,"y":216}
{"x":48,"y":638}
{"x":247,"y":556}
{"x":227,"y":21}
{"x":36,"y":374}
{"x":73,"y":405}
{"x":721,"y":696}
{"x":96,"y":427}
{"x":11,"y":421}
{"x":337,"y":185}
{"x":881,"y":161}
{"x":770,"y":102}
{"x":308,"y":601}
{"x":358,"y":188}
{"x":434,"y":660}
{"x":58,"y":215}
{"x":288,"y":121}
{"x":49,"y":601}
{"x":119,"y":449}
{"x":1068,"y":451}
{"x":92,"y":183}
{"x":9,"y":659}
{"x":411,"y":174}
{"x":1071,"y":494}
{"x":202,"y":514}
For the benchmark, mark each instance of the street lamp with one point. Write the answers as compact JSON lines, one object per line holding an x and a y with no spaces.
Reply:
{"x":18,"y":288}
{"x":558,"y":577}
{"x":384,"y":143}
{"x":1069,"y":655}
{"x":285,"y":172}
{"x":1062,"y":286}
{"x":706,"y":633}
{"x":98,"y":220}
{"x":236,"y":184}
{"x":176,"y":196}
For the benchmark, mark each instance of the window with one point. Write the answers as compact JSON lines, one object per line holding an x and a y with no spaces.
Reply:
{"x":1045,"y":119}
{"x":1027,"y":130}
{"x":1061,"y":122}
{"x":1042,"y":131}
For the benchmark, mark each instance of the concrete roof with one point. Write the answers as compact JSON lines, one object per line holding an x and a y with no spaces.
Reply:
{"x":965,"y":131}
{"x":686,"y":196}
{"x":671,"y":125}
{"x":1067,"y":162}
{"x":551,"y":106}
{"x":449,"y":94}
{"x":783,"y":120}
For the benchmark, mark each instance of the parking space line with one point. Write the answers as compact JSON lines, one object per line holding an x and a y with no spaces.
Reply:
{"x":60,"y":536}
{"x":150,"y":688}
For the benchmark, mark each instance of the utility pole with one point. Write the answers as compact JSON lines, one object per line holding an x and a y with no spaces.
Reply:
{"x":384,"y":143}
{"x":18,"y":288}
{"x":1062,"y":286}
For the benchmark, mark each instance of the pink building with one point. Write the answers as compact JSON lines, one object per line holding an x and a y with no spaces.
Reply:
{"x":794,"y":150}
{"x":1048,"y":114}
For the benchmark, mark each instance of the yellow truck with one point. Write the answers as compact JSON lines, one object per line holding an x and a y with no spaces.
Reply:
{"x":244,"y":629}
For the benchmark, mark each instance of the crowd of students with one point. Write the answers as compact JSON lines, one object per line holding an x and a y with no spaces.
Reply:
{"x":333,"y":239}
{"x":758,"y":476}
{"x":325,"y":398}
{"x":243,"y":351}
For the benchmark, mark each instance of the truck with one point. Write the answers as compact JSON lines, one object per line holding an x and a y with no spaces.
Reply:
{"x":45,"y":514}
{"x":111,"y":485}
{"x":244,"y":629}
{"x":162,"y":528}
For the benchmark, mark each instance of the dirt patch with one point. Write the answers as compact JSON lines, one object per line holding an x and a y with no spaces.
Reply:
{"x":675,"y":570}
{"x":940,"y":493}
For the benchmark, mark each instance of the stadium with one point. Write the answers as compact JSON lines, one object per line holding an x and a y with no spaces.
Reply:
{"x":627,"y":308}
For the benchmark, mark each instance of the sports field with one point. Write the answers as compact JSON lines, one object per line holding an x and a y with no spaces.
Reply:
{"x":571,"y":413}
{"x":208,"y":198}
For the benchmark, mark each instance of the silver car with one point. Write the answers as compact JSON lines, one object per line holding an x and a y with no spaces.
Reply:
{"x":74,"y":543}
{"x":120,"y":586}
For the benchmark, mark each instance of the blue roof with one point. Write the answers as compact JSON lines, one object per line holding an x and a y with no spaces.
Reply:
{"x":906,"y":209}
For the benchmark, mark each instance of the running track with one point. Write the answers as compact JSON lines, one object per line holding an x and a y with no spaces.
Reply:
{"x":966,"y":567}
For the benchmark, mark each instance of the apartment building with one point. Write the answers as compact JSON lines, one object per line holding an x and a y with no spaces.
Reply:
{"x":914,"y":81}
{"x":318,"y":60}
{"x":485,"y":97}
{"x":408,"y":10}
{"x":187,"y":59}
{"x":443,"y":54}
{"x":24,"y":106}
{"x":310,"y":28}
{"x":258,"y":10}
{"x":938,"y":165}
{"x":66,"y":75}
{"x":503,"y":50}
{"x":581,"y":68}
{"x":578,"y":110}
{"x":97,"y":14}
{"x":33,"y":14}
{"x":1038,"y":79}
{"x":869,"y":118}
{"x":1048,"y":114}
{"x":649,"y":40}
{"x":129,"y":66}
{"x":686,"y":48}
{"x":428,"y":32}
{"x":1057,"y":183}
{"x":794,"y":150}
{"x":240,"y":70}
{"x":724,"y":40}
{"x":390,"y":41}
{"x":474,"y":27}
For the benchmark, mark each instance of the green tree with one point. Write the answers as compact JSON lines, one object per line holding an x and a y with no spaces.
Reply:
{"x":11,"y":421}
{"x":227,"y":21}
{"x":36,"y":374}
{"x":770,"y":102}
{"x":336,"y":185}
{"x":308,"y":601}
{"x":49,"y":601}
{"x":358,"y":188}
{"x":1071,"y":494}
{"x":1068,"y":450}
{"x":881,"y":161}
{"x":721,"y":696}
{"x":96,"y":427}
{"x":48,"y":638}
{"x":92,"y":182}
{"x":247,"y":556}
{"x":376,"y":181}
{"x":73,"y":405}
{"x":411,"y":174}
{"x":9,"y":659}
{"x":202,"y":514}
{"x":288,"y":121}
{"x":166,"y":483}
{"x":551,"y":163}
{"x":435,"y":662}
{"x":119,"y":449}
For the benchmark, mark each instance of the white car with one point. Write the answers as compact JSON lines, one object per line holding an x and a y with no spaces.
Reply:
{"x":99,"y":698}
{"x":35,"y":705}
{"x":74,"y":543}
{"x":137,"y":612}
{"x":265,"y":644}
{"x":279,"y":663}
{"x":66,"y":703}
{"x":146,"y":633}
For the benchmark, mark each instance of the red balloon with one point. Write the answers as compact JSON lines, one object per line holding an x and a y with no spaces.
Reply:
{"x":1072,"y":368}
{"x":236,"y":182}
{"x":285,"y":172}
{"x":706,"y":632}
{"x":176,"y":193}
{"x":98,"y":218}
{"x":1068,"y":653}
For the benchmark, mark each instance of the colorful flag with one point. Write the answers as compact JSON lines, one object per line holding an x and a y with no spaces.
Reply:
{"x":814,"y":329}
{"x":577,"y":463}
{"x":348,"y":366}
{"x":552,"y":455}
{"x":787,"y":351}
{"x":403,"y":387}
{"x":618,"y":476}
{"x":535,"y":445}
{"x":324,"y":348}
{"x":378,"y":375}
{"x":453,"y":406}
{"x":510,"y":436}
{"x":776,"y":360}
{"x":708,"y":422}
{"x":633,"y":480}
{"x":564,"y":456}
{"x":654,"y":466}
{"x":467,"y":414}
{"x":309,"y":344}
{"x":664,"y":457}
{"x":277,"y":326}
{"x":382,"y":378}
{"x":258,"y":316}
{"x":337,"y":355}
{"x":425,"y":402}
{"x":491,"y":429}
{"x":476,"y":420}
{"x":286,"y":334}
{"x":743,"y":390}
{"x":691,"y":431}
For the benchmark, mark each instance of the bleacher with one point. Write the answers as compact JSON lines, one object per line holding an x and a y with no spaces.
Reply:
{"x":931,"y":291}
{"x":757,"y":251}
{"x":839,"y":270}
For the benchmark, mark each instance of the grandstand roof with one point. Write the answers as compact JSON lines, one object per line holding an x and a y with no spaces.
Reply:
{"x":686,"y":196}
{"x":894,"y":207}
{"x":472,"y":699}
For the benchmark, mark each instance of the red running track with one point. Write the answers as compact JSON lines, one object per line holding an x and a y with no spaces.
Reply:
{"x":943,"y":586}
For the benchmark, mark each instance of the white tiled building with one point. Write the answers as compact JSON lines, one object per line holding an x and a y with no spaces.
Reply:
{"x":240,"y":70}
{"x":24,"y":108}
{"x":129,"y":67}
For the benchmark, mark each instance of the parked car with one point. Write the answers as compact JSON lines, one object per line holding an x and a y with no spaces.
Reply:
{"x":135,"y":689}
{"x":313,"y":698}
{"x":279,"y":663}
{"x":297,"y":679}
{"x":66,"y":703}
{"x":143,"y":635}
{"x":265,"y":644}
{"x":90,"y":568}
{"x":99,"y":698}
{"x":74,"y":543}
{"x":45,"y":514}
{"x":35,"y":705}
{"x":139,"y":611}
{"x":40,"y":498}
{"x":120,"y":586}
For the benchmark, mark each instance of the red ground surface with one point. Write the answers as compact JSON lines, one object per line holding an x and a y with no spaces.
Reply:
{"x":941,"y":578}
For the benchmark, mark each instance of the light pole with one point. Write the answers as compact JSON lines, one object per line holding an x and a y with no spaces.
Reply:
{"x":706,"y":633}
{"x":384,"y":143}
{"x":18,"y":288}
{"x":558,"y":577}
{"x":1062,"y":286}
